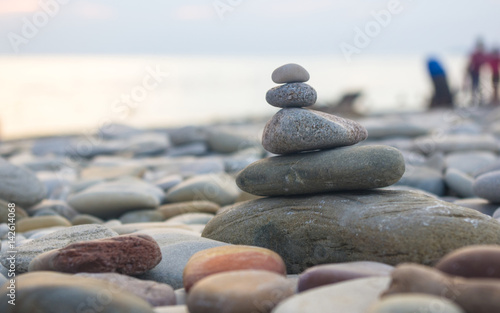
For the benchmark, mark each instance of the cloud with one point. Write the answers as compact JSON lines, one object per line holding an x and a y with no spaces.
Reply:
{"x":194,"y":13}
{"x":18,"y":6}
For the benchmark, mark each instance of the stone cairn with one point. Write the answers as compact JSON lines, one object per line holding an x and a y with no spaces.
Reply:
{"x":317,"y":151}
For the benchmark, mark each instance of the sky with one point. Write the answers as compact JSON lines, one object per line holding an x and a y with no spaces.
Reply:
{"x":246,"y":27}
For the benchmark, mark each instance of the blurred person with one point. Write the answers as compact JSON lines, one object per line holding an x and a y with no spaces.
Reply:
{"x":476,"y":60}
{"x":494,"y":63}
{"x":442,"y":97}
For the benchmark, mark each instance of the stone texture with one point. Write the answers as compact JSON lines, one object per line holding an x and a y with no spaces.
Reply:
{"x":353,"y":296}
{"x":347,"y":168}
{"x":173,"y":209}
{"x":290,"y":73}
{"x":387,"y":226}
{"x":23,"y":187}
{"x":291,"y":95}
{"x":142,"y":216}
{"x":472,"y":262}
{"x":239,"y":292}
{"x":218,"y":188}
{"x":126,"y":254}
{"x":413,"y":303}
{"x":487,"y":186}
{"x":38,"y":222}
{"x":115,"y":198}
{"x":59,"y":207}
{"x":175,"y":256}
{"x":230,"y":258}
{"x":472,"y":295}
{"x":56,"y":240}
{"x":82,"y":219}
{"x":327,"y":274}
{"x":152,"y":292}
{"x":470,"y":162}
{"x":190,"y":218}
{"x":423,"y":178}
{"x":55,"y":292}
{"x":295,"y":130}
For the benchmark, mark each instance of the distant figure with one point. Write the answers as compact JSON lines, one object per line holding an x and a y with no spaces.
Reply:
{"x":442,"y":96}
{"x":494,"y":62}
{"x":476,"y":61}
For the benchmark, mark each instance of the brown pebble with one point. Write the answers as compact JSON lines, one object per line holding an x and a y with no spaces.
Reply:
{"x":481,"y":261}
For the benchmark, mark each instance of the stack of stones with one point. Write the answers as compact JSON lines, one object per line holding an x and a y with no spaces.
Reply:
{"x":316,"y":148}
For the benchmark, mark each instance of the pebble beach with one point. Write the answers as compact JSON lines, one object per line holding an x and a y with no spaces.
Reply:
{"x":306,"y":210}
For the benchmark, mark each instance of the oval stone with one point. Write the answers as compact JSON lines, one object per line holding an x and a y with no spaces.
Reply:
{"x":346,"y":168}
{"x":55,"y":292}
{"x":413,"y":303}
{"x":327,"y":274}
{"x":230,"y":258}
{"x":472,"y":261}
{"x":239,"y":292}
{"x":23,"y":187}
{"x":295,"y":130}
{"x":173,"y":209}
{"x":126,"y":254}
{"x":387,"y":226}
{"x":291,"y":95}
{"x":487,"y":186}
{"x":347,"y":297}
{"x":290,"y":73}
{"x":31,"y":223}
{"x":472,"y":295}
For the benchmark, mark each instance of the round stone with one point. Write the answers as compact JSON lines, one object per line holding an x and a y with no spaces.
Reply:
{"x":327,"y":274}
{"x":126,"y":254}
{"x":290,"y":73}
{"x":239,"y":292}
{"x":23,"y":187}
{"x":387,"y":226}
{"x":487,"y":186}
{"x":230,"y":258}
{"x":295,"y":130}
{"x":31,"y":223}
{"x":472,"y":261}
{"x":346,"y":168}
{"x":173,"y":209}
{"x":412,"y":303}
{"x":291,"y":95}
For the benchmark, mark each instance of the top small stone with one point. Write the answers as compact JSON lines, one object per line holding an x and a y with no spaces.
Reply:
{"x":290,"y":73}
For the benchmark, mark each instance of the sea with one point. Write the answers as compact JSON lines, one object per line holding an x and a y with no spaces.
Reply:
{"x":43,"y":95}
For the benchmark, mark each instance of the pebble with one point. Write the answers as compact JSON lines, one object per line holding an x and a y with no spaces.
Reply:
{"x":459,"y":182}
{"x":472,"y":262}
{"x":471,"y":161}
{"x":174,"y":209}
{"x":55,"y":292}
{"x":456,"y":143}
{"x":126,"y":254}
{"x":478,"y":204}
{"x":294,"y":130}
{"x":424,"y":178}
{"x":112,"y":172}
{"x":347,"y":168}
{"x":389,"y":127}
{"x":414,"y":303}
{"x":228,"y":141}
{"x":142,"y":216}
{"x":492,"y":167}
{"x":194,"y":148}
{"x":56,"y":240}
{"x":82,"y":219}
{"x":239,"y":292}
{"x":114,"y":198}
{"x":487,"y":186}
{"x":154,"y":293}
{"x":191,"y":218}
{"x":218,"y":188}
{"x":387,"y":226}
{"x":328,"y":274}
{"x":290,"y":73}
{"x":230,"y":258}
{"x":291,"y":95}
{"x":167,"y":182}
{"x":59,"y":207}
{"x":175,"y":256}
{"x":354,"y":296}
{"x":124,"y":229}
{"x":472,"y":295}
{"x":31,"y":223}
{"x":188,"y":166}
{"x":23,"y":187}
